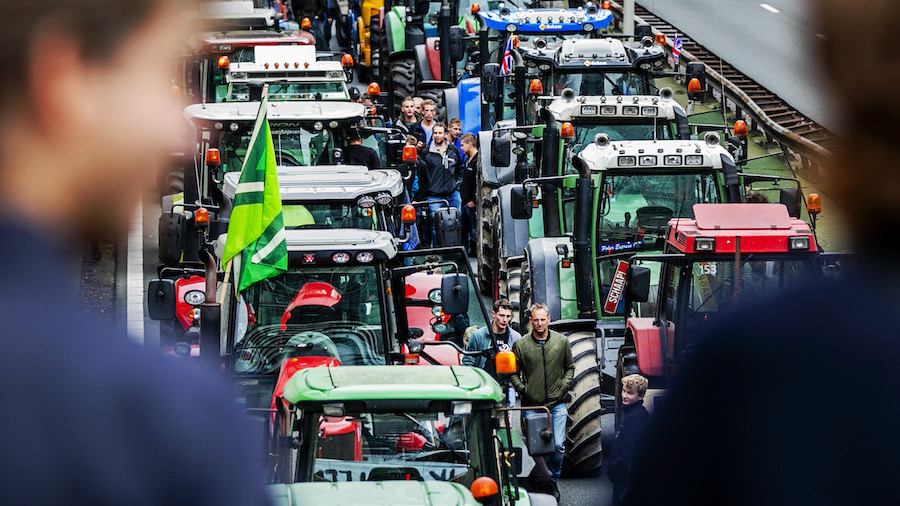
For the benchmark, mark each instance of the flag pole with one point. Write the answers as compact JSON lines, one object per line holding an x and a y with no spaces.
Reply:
{"x":224,"y":288}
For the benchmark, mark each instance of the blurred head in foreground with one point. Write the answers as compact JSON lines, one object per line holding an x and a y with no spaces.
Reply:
{"x":86,"y":115}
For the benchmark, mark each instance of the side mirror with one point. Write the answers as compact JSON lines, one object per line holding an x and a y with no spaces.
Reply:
{"x":790,"y":197}
{"x":455,"y":293}
{"x":171,"y":237}
{"x":456,"y":47}
{"x":501,"y":151}
{"x":539,"y":433}
{"x":520,"y":203}
{"x":491,"y":82}
{"x":515,"y":461}
{"x":637,"y":284}
{"x":161,"y":299}
{"x":259,"y":427}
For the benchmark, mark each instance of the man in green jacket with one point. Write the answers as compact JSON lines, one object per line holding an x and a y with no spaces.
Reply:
{"x":545,"y":374}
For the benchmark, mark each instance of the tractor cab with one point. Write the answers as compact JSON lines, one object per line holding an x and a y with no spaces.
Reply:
{"x":203,"y":70}
{"x":440,"y":425}
{"x":725,"y":256}
{"x":292,"y":73}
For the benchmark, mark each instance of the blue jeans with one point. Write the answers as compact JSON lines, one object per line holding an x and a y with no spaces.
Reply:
{"x":558,"y":415}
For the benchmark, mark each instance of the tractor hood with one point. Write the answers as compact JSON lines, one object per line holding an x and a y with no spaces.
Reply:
{"x":327,"y":182}
{"x":376,"y":493}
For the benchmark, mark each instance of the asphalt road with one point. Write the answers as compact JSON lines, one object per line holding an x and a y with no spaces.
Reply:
{"x":771,"y":41}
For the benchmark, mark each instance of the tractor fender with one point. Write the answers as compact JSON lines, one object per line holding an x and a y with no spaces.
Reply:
{"x":434,"y":58}
{"x":396,"y":38}
{"x":422,"y":63}
{"x":451,"y":103}
{"x":494,"y":176}
{"x":468,"y":93}
{"x":401,"y":55}
{"x":515,"y":232}
{"x":646,"y":344}
{"x":543,"y":261}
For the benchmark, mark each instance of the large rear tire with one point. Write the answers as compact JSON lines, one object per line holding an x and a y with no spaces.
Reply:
{"x":583,"y":446}
{"x":403,"y":73}
{"x":375,"y":49}
{"x":514,"y":293}
{"x":440,"y":107}
{"x":484,"y":214}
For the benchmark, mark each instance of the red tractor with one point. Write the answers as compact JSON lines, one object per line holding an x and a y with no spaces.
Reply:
{"x":729,"y":255}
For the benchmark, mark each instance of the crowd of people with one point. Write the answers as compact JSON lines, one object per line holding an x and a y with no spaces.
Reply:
{"x":447,"y":164}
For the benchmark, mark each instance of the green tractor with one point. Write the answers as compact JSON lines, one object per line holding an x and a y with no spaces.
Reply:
{"x":570,"y":123}
{"x":414,"y":48}
{"x":446,"y":428}
{"x":618,"y":204}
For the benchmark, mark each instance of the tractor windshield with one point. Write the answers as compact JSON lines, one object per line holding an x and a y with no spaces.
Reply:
{"x":398,"y":446}
{"x":636,"y":206}
{"x":326,"y":215}
{"x":635,"y":209}
{"x":297,"y":144}
{"x":718,"y":285}
{"x":321,"y":312}
{"x":306,"y":90}
{"x":599,"y":83}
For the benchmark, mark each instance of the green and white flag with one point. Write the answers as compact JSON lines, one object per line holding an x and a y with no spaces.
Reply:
{"x":256,"y":228}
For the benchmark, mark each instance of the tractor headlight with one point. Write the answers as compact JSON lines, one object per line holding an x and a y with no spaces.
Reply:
{"x":627,"y":161}
{"x":705,"y":244}
{"x":197,"y":297}
{"x":799,"y":242}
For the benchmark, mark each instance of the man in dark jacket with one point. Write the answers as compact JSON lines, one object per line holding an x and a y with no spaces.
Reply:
{"x":440,"y":172}
{"x":88,"y":416}
{"x":357,"y":154}
{"x":546,"y":371}
{"x":628,"y":433}
{"x":467,"y":190}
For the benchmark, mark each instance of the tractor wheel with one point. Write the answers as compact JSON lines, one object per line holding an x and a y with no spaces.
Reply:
{"x":514,"y":292}
{"x":484,"y":214}
{"x":525,"y":299}
{"x":440,"y":107}
{"x":583,"y":447}
{"x":626,"y":364}
{"x":498,"y":266}
{"x":375,"y":49}
{"x":403,"y":72}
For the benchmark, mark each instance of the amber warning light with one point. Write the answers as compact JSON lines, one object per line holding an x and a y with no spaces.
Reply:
{"x":536,"y":87}
{"x":347,"y":60}
{"x":813,"y":204}
{"x":373,"y":90}
{"x":224,"y":62}
{"x":484,"y":488}
{"x":408,"y":214}
{"x":305,"y":24}
{"x":213,"y":157}
{"x":410,"y":154}
{"x":567,"y":131}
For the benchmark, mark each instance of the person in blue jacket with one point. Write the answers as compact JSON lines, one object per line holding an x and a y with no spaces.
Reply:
{"x":493,"y":338}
